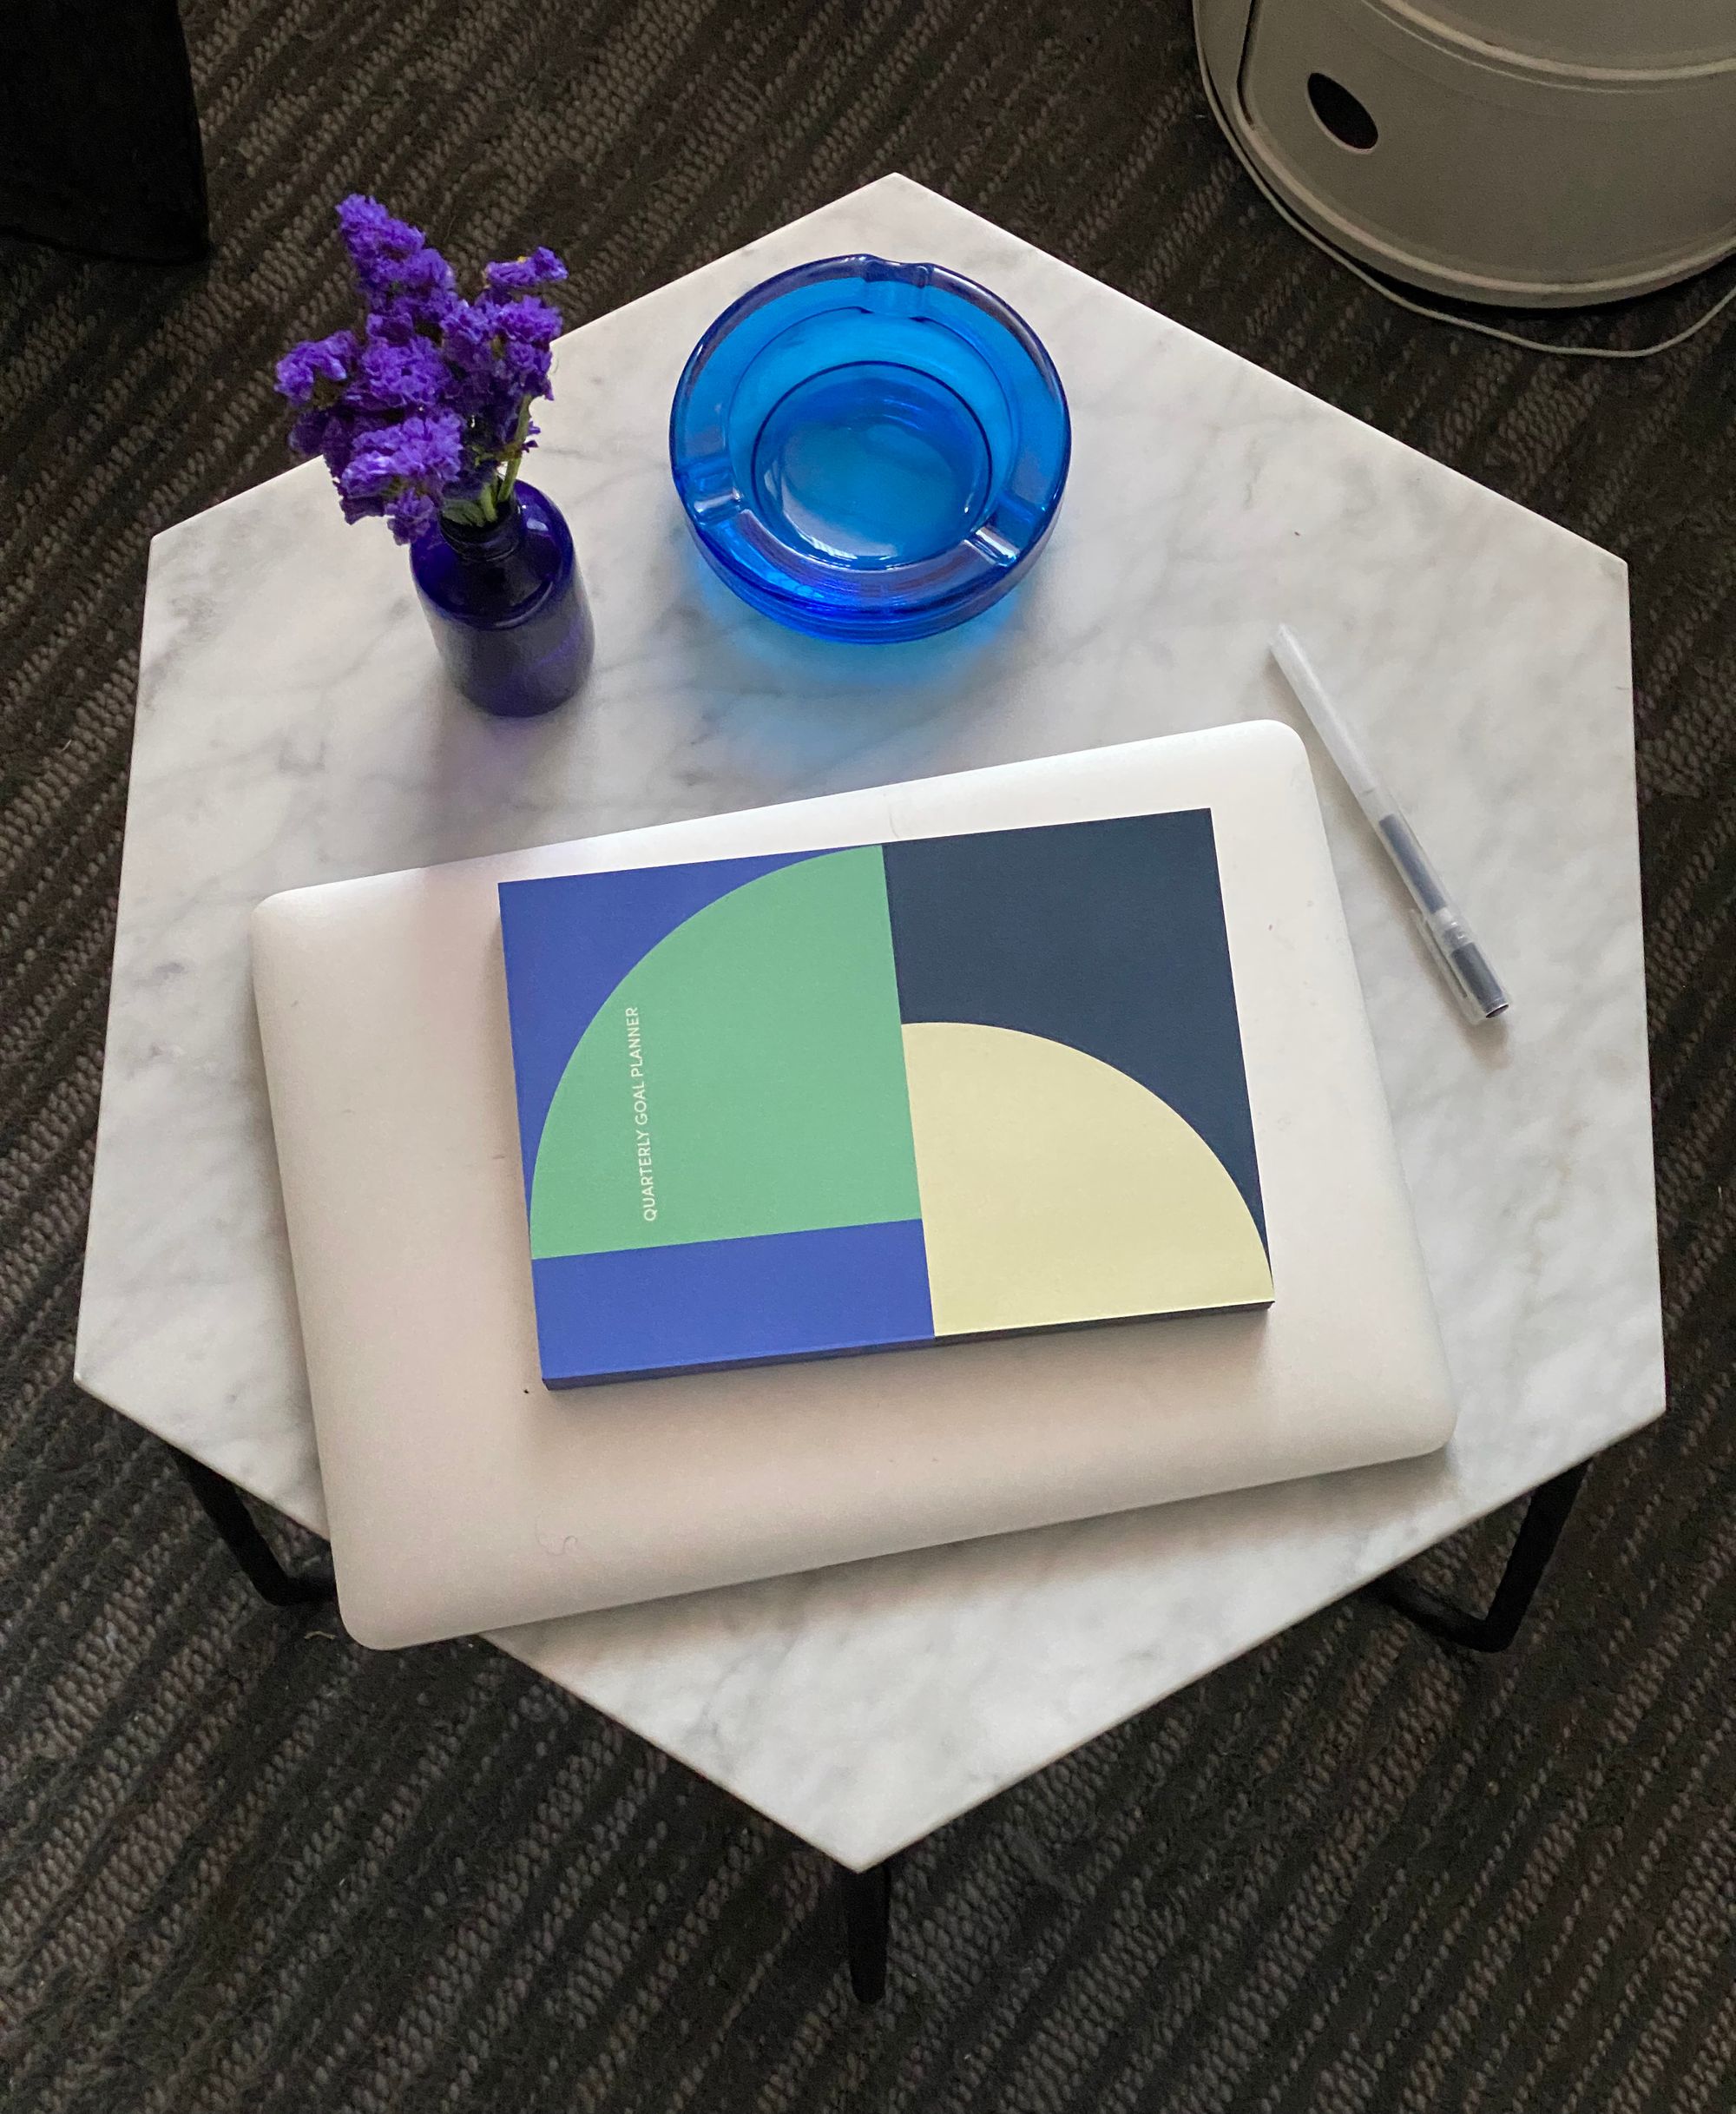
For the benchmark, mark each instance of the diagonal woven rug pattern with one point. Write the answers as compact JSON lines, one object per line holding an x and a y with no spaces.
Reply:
{"x":243,"y":1863}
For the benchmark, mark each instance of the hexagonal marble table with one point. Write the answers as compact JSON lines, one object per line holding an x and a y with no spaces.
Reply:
{"x":294,"y":727}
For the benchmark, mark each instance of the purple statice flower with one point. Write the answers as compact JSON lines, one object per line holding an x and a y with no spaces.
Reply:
{"x":519,"y":274}
{"x":418,"y":303}
{"x":424,"y":276}
{"x":531,"y":326}
{"x":403,"y":471}
{"x":364,"y":223}
{"x":426,"y":409}
{"x":332,"y":431}
{"x":500,"y":349}
{"x":389,"y":376}
{"x":406,"y":317}
{"x":407,"y":284}
{"x":305,"y":367}
{"x":378,"y":245}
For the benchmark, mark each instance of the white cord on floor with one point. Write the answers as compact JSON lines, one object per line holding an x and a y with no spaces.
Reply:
{"x":1293,"y":218}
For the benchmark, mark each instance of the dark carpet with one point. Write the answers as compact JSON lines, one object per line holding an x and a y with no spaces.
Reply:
{"x":245,"y":1865}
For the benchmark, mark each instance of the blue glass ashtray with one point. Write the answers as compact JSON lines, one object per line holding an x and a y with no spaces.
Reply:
{"x":870,"y":450}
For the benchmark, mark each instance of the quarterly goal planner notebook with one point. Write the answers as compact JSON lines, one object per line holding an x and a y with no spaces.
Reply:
{"x":819,"y":1101}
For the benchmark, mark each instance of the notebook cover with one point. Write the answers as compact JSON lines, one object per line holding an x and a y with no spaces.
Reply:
{"x":815,"y":1103}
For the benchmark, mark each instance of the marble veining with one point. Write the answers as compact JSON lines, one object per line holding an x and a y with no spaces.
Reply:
{"x":294,"y":727}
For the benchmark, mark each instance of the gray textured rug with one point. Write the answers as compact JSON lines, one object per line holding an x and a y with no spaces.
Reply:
{"x":243,"y":1863}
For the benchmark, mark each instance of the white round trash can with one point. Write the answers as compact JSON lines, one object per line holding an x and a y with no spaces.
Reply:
{"x":1525,"y":153}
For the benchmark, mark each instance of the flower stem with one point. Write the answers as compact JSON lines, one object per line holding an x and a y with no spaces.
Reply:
{"x":490,"y":503}
{"x":513,"y":461}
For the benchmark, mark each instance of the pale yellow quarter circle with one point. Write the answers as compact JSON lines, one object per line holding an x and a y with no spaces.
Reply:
{"x":1055,"y":1189}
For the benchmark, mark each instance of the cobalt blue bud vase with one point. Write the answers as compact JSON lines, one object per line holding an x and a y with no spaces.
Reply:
{"x":506,"y":605}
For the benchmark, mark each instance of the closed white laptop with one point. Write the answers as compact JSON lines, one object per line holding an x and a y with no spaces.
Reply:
{"x":464,"y":1495}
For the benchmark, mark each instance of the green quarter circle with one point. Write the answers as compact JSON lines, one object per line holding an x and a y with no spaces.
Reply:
{"x":745,"y":1076}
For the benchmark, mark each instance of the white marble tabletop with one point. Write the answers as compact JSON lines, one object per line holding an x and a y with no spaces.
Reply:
{"x":294,"y":727}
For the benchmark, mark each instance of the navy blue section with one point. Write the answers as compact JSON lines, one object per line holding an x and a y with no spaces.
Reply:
{"x":646,"y":1310}
{"x":571,"y":938}
{"x":1106,"y":936}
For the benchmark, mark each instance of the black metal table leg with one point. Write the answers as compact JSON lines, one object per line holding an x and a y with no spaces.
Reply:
{"x":228,"y":1511}
{"x":867,"y":1898}
{"x":1538,"y":1531}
